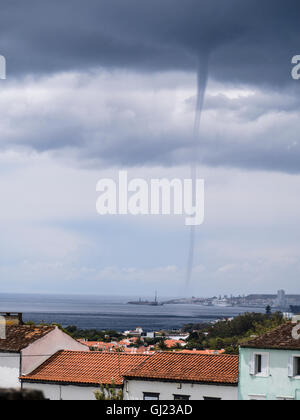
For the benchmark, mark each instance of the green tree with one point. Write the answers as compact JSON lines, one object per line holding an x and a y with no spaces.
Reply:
{"x":109,"y":393}
{"x":268,"y":310}
{"x":139,"y":342}
{"x":30,"y":323}
{"x":229,"y":334}
{"x":162,"y":345}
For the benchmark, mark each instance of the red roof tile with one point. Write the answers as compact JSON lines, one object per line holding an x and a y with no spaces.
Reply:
{"x":281,"y":338}
{"x":174,"y":343}
{"x":86,"y":367}
{"x":142,"y":349}
{"x":100,"y":344}
{"x":189,"y":367}
{"x":203,"y":351}
{"x":18,"y":337}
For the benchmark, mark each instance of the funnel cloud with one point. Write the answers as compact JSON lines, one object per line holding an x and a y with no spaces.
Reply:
{"x":202,"y":75}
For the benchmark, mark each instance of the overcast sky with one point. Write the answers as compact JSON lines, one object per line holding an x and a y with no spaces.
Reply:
{"x":97,"y":86}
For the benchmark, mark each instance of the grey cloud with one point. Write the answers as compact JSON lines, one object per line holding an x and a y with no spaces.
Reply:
{"x":256,"y":105}
{"x":115,"y":119}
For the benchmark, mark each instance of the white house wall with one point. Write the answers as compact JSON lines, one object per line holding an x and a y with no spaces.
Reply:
{"x":134,"y":390}
{"x":9,"y":370}
{"x":38,"y":352}
{"x":64,"y":392}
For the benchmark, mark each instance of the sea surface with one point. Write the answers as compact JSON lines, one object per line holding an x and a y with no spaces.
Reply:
{"x":111,"y":312}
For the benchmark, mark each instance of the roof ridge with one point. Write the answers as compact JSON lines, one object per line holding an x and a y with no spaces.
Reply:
{"x":119,"y":353}
{"x":31,"y":326}
{"x":198,"y":354}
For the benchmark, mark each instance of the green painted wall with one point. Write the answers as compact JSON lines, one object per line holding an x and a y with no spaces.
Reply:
{"x":277,"y":384}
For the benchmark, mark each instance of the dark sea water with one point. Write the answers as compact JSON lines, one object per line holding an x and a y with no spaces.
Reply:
{"x":104,"y":312}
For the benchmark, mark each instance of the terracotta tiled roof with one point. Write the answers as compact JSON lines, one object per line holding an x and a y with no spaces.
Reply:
{"x":189,"y":367}
{"x":19,"y":337}
{"x":86,"y":367}
{"x":174,"y":343}
{"x":99,"y":345}
{"x":142,"y":349}
{"x":127,"y":341}
{"x":203,"y":351}
{"x":122,"y":346}
{"x":280,"y":338}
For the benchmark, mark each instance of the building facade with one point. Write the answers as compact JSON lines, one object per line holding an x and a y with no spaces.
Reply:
{"x":161,"y":376}
{"x":270,"y":366}
{"x":183,"y":376}
{"x":167,"y":390}
{"x":73,"y":375}
{"x":27,"y":347}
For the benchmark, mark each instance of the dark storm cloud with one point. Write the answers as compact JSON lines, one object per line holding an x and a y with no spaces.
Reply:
{"x":249,"y":40}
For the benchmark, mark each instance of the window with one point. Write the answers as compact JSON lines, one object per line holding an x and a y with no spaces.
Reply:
{"x":212,"y":399}
{"x":182,"y":397}
{"x":126,"y":386}
{"x":294,"y":367}
{"x":150,"y":396}
{"x":297,"y":366}
{"x":259,"y":364}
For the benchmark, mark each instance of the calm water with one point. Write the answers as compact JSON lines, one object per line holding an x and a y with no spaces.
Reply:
{"x":110,"y":312}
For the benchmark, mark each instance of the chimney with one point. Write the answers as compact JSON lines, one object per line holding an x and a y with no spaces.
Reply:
{"x":13,"y":318}
{"x":20,"y":318}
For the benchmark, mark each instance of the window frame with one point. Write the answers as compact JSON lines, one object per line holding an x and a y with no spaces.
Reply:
{"x":294,"y":357}
{"x":181,"y":397}
{"x":265,"y":373}
{"x":151,"y":394}
{"x":297,"y":360}
{"x":258,"y":364}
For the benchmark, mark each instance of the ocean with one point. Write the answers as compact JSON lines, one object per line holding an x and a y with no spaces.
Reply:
{"x":110,"y":312}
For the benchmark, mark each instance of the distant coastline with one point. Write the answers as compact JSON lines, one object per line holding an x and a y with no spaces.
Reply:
{"x":105,"y":313}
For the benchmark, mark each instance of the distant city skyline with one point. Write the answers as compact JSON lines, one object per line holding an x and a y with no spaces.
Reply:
{"x":152,"y":296}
